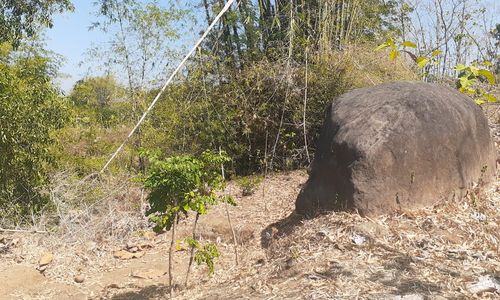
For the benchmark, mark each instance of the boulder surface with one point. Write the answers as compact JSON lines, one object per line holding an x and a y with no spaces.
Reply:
{"x":397,"y":147}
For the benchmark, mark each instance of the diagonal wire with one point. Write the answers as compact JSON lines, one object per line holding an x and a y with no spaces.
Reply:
{"x":179,"y":67}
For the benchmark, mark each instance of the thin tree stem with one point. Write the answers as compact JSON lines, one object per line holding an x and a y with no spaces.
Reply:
{"x":191,"y":256}
{"x":304,"y":111}
{"x":170,"y":259}
{"x":235,"y":241}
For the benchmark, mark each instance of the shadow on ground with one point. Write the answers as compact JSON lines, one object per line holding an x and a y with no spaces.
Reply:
{"x":405,"y":274}
{"x":149,"y":292}
{"x":279,"y":229}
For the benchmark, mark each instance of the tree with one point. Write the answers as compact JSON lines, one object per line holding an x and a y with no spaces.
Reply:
{"x":20,"y":19}
{"x":30,"y":109}
{"x":270,"y":26}
{"x":93,"y":98}
{"x":140,"y":46}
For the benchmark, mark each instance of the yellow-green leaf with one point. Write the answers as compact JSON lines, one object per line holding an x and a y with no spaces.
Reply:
{"x":390,"y":43}
{"x":488,"y":75}
{"x":422,"y":61}
{"x":436,"y":53}
{"x":381,"y":46}
{"x":489,"y":97}
{"x":394,"y":54}
{"x":487,"y":63}
{"x":474,"y":70}
{"x":409,"y":44}
{"x":460,"y":67}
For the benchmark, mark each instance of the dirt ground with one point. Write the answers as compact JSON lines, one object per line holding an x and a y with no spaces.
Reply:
{"x":451,"y":251}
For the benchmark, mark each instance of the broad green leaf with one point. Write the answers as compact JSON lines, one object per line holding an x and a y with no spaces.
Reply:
{"x":488,"y":75}
{"x":393,"y":54}
{"x":460,"y":67}
{"x":409,"y":44}
{"x":487,"y":63}
{"x":489,"y":97}
{"x":436,"y":53}
{"x":474,"y":70}
{"x":422,"y":61}
{"x":465,"y":82}
{"x":391,"y":43}
{"x":381,"y":46}
{"x":479,"y":101}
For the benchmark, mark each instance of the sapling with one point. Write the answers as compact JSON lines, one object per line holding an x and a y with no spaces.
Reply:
{"x":178,"y":185}
{"x":204,"y":197}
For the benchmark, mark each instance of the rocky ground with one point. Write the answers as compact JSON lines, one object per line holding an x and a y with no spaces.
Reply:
{"x":451,"y":251}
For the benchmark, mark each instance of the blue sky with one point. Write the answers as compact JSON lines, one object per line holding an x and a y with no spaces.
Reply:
{"x":71,"y":38}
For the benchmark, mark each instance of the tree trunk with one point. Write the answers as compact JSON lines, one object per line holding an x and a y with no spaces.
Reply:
{"x":171,"y":259}
{"x":191,"y":256}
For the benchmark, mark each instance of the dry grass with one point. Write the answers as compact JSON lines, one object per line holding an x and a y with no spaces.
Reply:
{"x":432,"y":252}
{"x":436,"y":252}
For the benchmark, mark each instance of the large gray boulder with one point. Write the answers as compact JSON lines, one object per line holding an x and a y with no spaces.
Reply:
{"x":397,"y":147}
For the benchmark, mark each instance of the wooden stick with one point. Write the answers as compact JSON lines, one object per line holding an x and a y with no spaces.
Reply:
{"x":23,"y":230}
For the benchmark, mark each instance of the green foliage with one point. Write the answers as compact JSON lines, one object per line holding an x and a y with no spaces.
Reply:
{"x":249,"y":184}
{"x":20,"y":19}
{"x":468,"y":76}
{"x":242,"y":113}
{"x":395,"y":48}
{"x":273,"y":29}
{"x":97,"y":100}
{"x":30,"y":111}
{"x":180,"y":184}
{"x":206,"y":255}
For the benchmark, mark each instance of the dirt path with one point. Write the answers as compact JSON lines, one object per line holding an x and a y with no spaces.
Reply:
{"x":148,"y":273}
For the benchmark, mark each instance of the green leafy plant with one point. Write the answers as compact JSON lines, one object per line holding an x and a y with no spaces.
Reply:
{"x":30,"y":113}
{"x":468,"y":76}
{"x":396,"y":48}
{"x":181,"y":184}
{"x":205,"y":254}
{"x":249,"y":184}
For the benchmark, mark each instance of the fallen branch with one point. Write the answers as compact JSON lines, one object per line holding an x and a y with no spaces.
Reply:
{"x":22,"y":230}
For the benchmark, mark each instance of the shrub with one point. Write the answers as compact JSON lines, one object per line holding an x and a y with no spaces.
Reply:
{"x":248,"y":184}
{"x":30,"y":111}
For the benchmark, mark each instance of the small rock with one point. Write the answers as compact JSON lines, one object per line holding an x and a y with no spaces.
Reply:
{"x":478,"y":216}
{"x":123,"y":254}
{"x":485,"y":284}
{"x":358,"y":239}
{"x":409,"y":297}
{"x":148,"y":274}
{"x":79,"y":278}
{"x":133,"y":249}
{"x":150,"y":235}
{"x":46,"y":259}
